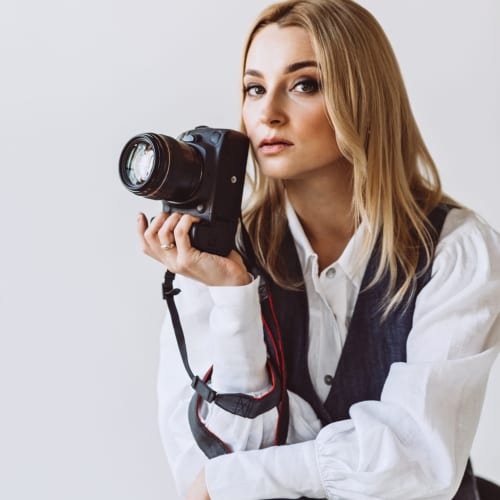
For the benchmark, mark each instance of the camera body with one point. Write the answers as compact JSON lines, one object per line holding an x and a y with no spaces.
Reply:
{"x":201,"y":173}
{"x":217,"y":201}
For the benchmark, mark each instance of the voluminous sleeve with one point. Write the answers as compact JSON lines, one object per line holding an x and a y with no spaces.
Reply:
{"x":223,"y":328}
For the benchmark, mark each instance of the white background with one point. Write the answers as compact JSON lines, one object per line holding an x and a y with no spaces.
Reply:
{"x":80,"y":305}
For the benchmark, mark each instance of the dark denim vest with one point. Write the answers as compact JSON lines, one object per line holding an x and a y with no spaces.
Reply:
{"x":371,"y":345}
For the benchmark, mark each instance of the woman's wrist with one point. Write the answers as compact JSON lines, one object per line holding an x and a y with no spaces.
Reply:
{"x":242,"y":279}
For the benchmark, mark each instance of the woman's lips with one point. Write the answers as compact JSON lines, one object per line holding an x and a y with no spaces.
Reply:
{"x":274,"y":146}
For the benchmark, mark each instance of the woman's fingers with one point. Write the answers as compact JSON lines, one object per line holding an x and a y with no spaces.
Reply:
{"x":166,"y":231}
{"x":181,"y":233}
{"x":166,"y":239}
{"x":148,"y":233}
{"x":163,"y":234}
{"x":142,"y":226}
{"x":151,"y":233}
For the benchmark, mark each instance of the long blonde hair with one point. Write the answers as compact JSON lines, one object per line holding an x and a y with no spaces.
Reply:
{"x":395,"y":181}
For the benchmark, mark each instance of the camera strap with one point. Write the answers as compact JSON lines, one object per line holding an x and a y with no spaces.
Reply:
{"x":239,"y":404}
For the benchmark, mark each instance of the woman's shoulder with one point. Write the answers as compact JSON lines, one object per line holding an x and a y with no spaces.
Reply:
{"x":466,"y":234}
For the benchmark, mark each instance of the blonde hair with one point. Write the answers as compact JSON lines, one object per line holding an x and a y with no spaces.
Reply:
{"x":395,"y":181}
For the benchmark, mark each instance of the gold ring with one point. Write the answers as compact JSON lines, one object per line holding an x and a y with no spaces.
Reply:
{"x":167,"y":246}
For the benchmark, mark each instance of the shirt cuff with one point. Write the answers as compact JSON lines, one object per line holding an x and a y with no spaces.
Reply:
{"x":239,"y":352}
{"x":287,"y":471}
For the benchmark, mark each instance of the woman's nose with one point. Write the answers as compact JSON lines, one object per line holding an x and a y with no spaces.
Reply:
{"x":273,"y":110}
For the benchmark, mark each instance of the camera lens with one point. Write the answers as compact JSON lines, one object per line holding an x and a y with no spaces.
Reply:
{"x":140,"y":163}
{"x":161,"y":168}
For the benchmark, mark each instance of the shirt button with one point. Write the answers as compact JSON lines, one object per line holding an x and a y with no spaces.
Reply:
{"x":328,"y":380}
{"x":331,"y":272}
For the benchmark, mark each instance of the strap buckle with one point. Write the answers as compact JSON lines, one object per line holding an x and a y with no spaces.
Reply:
{"x":206,"y":392}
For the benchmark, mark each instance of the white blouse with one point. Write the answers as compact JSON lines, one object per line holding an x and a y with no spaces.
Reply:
{"x":411,"y":444}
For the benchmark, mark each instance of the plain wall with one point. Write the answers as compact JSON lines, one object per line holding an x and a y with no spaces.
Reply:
{"x":80,"y":305}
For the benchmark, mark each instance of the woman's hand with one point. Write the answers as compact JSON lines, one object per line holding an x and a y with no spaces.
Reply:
{"x":198,"y":490}
{"x":166,"y":239}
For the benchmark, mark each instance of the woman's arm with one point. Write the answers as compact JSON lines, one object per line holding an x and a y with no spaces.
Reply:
{"x":223,"y":327}
{"x":221,"y":320}
{"x":415,"y":441}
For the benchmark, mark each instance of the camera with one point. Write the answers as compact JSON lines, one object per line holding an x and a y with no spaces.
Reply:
{"x":201,"y":173}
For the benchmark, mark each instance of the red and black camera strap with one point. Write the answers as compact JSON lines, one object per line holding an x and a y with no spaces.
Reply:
{"x":239,"y":404}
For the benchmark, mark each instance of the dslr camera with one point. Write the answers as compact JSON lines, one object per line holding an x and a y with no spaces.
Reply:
{"x":201,"y":173}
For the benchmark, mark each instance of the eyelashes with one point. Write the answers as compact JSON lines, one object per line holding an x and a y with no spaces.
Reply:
{"x":307,"y":86}
{"x":302,"y":86}
{"x":253,"y":90}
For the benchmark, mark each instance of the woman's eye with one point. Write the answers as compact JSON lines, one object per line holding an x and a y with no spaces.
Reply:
{"x":308,"y":86}
{"x":254,"y":90}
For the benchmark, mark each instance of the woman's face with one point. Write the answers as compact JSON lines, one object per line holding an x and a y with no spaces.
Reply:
{"x":283,"y":110}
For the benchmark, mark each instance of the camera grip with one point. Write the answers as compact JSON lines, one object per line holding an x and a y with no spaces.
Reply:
{"x":216,"y":237}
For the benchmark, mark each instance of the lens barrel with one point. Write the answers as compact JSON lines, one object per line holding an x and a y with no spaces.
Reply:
{"x":160,"y":167}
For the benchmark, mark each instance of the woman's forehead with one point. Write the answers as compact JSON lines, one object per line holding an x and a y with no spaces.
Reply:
{"x":276,"y":47}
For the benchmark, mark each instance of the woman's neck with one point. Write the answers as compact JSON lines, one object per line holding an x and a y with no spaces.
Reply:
{"x":323,"y":204}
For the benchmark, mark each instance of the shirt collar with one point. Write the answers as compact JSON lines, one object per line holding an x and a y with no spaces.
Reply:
{"x":350,"y":262}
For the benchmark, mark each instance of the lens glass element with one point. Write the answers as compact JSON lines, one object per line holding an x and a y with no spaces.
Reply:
{"x":140,"y":163}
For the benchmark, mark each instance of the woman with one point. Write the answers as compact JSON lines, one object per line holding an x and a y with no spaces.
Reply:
{"x":386,"y":380}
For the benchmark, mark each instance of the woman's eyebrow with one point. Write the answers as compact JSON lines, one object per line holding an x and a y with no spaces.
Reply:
{"x":299,"y":65}
{"x":289,"y":69}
